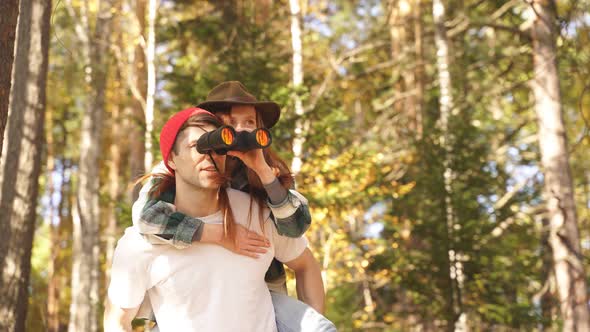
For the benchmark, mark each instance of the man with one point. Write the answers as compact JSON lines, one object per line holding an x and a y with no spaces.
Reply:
{"x":267,"y":178}
{"x":224,"y":291}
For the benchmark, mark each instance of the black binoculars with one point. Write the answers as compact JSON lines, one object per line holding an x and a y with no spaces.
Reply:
{"x":226,"y":138}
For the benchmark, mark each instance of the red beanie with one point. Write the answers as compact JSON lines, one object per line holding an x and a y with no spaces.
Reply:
{"x":171,"y":129}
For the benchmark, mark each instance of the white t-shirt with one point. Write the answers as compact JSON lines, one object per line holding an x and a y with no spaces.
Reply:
{"x":204,"y":287}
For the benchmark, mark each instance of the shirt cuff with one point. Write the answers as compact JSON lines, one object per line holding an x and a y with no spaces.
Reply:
{"x":198,"y":233}
{"x":186,"y":229}
{"x":276,"y":192}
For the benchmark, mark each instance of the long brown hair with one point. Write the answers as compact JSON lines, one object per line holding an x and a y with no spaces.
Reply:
{"x":279,"y":167}
{"x":164,"y":182}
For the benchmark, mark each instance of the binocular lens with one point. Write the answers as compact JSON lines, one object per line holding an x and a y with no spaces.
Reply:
{"x":263,"y":138}
{"x":227,"y":135}
{"x":258,"y":139}
{"x":219,"y":140}
{"x":225,"y":139}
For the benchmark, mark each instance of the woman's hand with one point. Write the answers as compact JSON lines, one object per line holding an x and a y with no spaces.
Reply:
{"x":254,"y":160}
{"x":247,"y":243}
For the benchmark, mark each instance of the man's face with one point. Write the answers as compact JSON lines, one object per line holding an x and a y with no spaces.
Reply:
{"x":192,"y":167}
{"x":242,"y":118}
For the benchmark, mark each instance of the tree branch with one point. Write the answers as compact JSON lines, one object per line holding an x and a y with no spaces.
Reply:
{"x":130,"y":84}
{"x":80,"y":31}
{"x":334,"y":64}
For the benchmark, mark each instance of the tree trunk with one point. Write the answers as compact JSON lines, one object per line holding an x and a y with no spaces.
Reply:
{"x":21,"y":162}
{"x":564,"y":235}
{"x":137,"y":112}
{"x":299,"y":139}
{"x":9,"y":10}
{"x":85,"y":254}
{"x":151,"y":83}
{"x":52,"y":276}
{"x":114,"y":189}
{"x":116,"y":150}
{"x":52,"y":286}
{"x":545,"y":297}
{"x":407,"y":81}
{"x":457,"y":318}
{"x":419,"y":81}
{"x":398,"y":32}
{"x":62,"y":279}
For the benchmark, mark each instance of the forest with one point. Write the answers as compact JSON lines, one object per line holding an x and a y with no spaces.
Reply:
{"x":440,"y":145}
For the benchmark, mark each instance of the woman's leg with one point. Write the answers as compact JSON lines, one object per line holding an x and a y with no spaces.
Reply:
{"x":295,"y":316}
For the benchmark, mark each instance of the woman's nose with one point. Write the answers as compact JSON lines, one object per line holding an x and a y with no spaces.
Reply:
{"x":217,"y":156}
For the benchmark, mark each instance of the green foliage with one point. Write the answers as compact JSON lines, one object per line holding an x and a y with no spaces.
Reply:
{"x":343,"y":303}
{"x":375,"y":183}
{"x":216,"y":43}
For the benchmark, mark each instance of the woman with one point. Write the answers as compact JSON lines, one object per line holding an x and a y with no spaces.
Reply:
{"x":268,"y":180}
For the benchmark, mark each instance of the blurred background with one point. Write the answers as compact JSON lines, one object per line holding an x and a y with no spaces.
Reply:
{"x":443,"y":146}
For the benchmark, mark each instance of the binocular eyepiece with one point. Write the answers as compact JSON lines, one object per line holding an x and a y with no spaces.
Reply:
{"x":225,"y":138}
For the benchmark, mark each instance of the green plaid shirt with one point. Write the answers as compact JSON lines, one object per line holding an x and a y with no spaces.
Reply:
{"x":159,"y":222}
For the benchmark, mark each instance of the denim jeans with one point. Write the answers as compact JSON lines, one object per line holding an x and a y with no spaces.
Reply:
{"x":295,"y":316}
{"x":292,"y":315}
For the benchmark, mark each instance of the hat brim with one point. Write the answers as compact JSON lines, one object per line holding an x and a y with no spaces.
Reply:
{"x":268,"y":110}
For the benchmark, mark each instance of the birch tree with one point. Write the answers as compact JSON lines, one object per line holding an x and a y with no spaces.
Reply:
{"x":151,"y":82}
{"x":131,"y":58}
{"x":135,"y":57}
{"x":564,"y":237}
{"x":94,"y":44}
{"x":297,"y":80}
{"x":114,"y":188}
{"x":419,"y":71}
{"x":456,"y":314}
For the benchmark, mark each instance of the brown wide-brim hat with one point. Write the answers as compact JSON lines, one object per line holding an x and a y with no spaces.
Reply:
{"x":227,"y":94}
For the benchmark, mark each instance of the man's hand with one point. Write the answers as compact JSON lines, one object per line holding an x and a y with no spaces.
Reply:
{"x":117,"y":319}
{"x":247,"y":243}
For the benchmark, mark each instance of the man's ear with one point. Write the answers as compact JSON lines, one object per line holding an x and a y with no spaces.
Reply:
{"x":171,"y":163}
